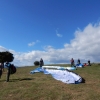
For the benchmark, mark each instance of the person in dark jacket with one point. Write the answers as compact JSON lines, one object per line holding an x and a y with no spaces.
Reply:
{"x":89,"y":63}
{"x":41,"y":62}
{"x":1,"y":69}
{"x":8,"y":65}
{"x":78,"y":61}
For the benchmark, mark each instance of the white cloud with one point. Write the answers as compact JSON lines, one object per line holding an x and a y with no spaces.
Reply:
{"x":2,"y":49}
{"x":31,"y":44}
{"x":59,"y":35}
{"x":85,"y":45}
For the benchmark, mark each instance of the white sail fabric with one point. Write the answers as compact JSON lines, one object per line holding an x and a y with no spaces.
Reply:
{"x":61,"y":75}
{"x":64,"y":76}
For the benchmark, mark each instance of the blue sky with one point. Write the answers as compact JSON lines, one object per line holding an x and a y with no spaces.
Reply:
{"x":55,"y":30}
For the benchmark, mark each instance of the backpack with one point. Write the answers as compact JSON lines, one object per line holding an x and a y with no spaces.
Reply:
{"x":12,"y":69}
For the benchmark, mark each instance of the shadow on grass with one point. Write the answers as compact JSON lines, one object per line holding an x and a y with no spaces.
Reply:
{"x":25,"y":79}
{"x":20,"y":79}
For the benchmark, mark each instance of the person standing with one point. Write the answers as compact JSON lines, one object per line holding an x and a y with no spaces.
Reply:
{"x":72,"y":62}
{"x":41,"y":62}
{"x":8,"y":65}
{"x":89,"y":63}
{"x":78,"y":61}
{"x":1,"y":69}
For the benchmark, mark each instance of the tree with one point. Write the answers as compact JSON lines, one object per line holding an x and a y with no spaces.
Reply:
{"x":36,"y":63}
{"x":6,"y":57}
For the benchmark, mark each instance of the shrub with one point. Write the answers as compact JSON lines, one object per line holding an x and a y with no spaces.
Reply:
{"x":36,"y":63}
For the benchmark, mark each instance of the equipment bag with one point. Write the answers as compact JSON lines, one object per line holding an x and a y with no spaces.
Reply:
{"x":13,"y":69}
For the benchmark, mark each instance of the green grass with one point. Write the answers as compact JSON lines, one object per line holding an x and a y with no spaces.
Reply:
{"x":38,"y":86}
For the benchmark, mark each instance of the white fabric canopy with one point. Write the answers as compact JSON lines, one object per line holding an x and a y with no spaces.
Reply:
{"x":61,"y":75}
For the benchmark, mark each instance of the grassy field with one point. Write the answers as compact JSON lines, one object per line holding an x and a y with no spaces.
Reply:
{"x":38,"y":86}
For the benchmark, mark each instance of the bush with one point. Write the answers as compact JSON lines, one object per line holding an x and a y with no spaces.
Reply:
{"x":36,"y":63}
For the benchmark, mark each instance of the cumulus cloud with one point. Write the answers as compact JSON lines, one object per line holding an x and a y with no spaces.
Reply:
{"x":85,"y":45}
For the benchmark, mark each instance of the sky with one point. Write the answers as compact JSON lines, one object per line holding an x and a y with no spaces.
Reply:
{"x":55,"y":30}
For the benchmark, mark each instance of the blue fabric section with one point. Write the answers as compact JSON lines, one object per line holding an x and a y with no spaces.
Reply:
{"x":79,"y":65}
{"x":7,"y":65}
{"x":70,"y":68}
{"x":36,"y":70}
